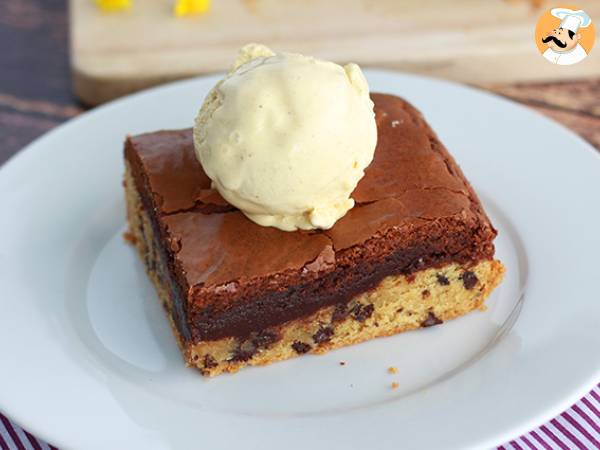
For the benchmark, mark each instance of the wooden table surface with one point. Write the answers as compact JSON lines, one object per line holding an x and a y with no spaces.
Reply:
{"x":35,"y":87}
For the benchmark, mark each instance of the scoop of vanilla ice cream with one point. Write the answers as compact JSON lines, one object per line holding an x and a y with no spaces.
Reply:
{"x":286,"y":138}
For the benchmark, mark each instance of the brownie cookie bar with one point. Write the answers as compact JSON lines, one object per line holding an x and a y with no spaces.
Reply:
{"x":415,"y":251}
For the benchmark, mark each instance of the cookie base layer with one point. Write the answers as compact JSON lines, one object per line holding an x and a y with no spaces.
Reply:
{"x":399,"y":303}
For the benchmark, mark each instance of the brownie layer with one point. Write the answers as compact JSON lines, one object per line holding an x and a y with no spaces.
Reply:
{"x":414,"y":210}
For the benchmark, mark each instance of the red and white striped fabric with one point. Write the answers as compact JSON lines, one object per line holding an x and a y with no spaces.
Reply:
{"x":14,"y":438}
{"x":576,"y":428}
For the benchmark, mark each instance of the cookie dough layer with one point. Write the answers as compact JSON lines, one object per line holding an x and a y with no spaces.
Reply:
{"x":399,"y":303}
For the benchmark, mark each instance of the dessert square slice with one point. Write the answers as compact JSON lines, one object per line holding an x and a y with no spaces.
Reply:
{"x":415,"y":251}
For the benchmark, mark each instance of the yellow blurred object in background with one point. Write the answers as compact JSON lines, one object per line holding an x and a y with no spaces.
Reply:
{"x":191,"y":7}
{"x":114,"y":5}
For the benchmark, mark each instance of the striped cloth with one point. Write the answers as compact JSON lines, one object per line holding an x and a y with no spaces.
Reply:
{"x":576,"y":428}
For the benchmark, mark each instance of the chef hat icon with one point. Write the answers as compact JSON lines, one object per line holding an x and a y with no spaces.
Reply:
{"x":570,"y":19}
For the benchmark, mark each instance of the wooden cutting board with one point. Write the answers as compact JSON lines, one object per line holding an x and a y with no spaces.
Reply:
{"x":474,"y":41}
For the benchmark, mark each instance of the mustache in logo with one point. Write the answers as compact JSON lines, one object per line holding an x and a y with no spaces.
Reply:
{"x":555,"y":40}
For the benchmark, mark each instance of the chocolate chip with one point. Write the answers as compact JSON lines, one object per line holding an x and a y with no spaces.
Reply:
{"x":339,"y":313}
{"x":425,"y":293}
{"x":264,"y":339}
{"x":442,"y":280}
{"x":240,"y":355}
{"x":410,"y":278}
{"x":301,"y":347}
{"x":469,"y":279}
{"x":323,"y":334}
{"x":209,"y":362}
{"x":431,"y":320}
{"x":399,"y":310}
{"x":362,"y":312}
{"x":244,"y":351}
{"x":248,"y":348}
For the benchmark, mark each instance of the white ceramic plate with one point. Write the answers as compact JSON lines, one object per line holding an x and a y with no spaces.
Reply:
{"x":88,"y":360}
